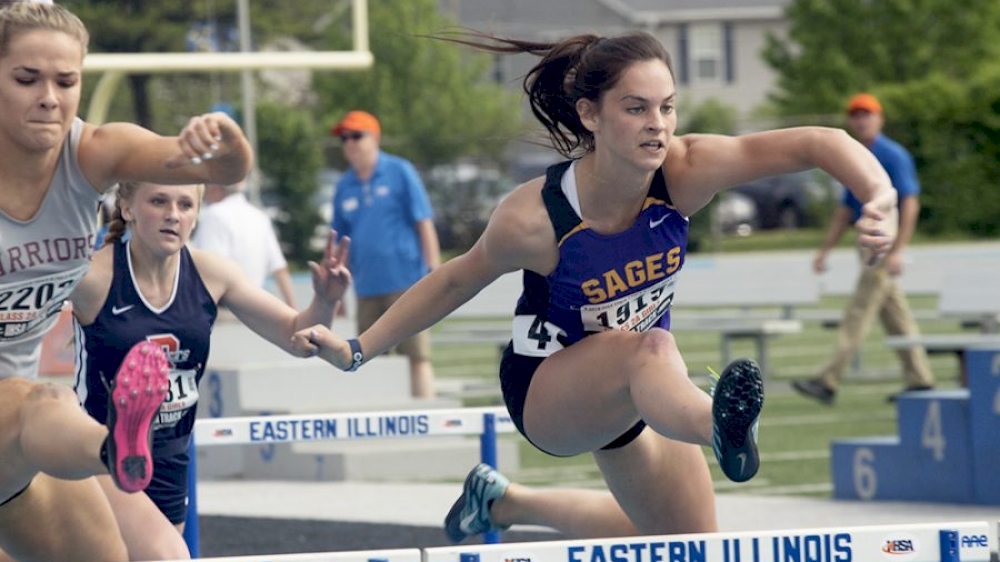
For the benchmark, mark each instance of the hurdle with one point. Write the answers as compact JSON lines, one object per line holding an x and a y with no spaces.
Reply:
{"x":486,"y":422}
{"x":395,"y":555}
{"x":968,"y":541}
{"x":924,"y":542}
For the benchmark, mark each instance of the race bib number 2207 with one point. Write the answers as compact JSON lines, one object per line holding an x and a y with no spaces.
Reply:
{"x":27,"y":305}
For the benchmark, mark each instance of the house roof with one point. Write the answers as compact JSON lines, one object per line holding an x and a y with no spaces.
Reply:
{"x":562,"y":14}
{"x":669,"y":5}
{"x":490,"y":15}
{"x":653,"y":11}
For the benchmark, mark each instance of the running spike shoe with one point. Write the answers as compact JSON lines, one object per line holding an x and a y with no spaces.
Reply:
{"x":137,"y":392}
{"x":737,"y":400}
{"x":470,"y":515}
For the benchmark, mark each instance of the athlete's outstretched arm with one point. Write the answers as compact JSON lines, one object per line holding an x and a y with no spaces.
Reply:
{"x":266,"y":314}
{"x":518,"y":236}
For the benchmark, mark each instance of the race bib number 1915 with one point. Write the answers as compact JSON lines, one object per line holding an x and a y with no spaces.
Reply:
{"x":636,"y":312}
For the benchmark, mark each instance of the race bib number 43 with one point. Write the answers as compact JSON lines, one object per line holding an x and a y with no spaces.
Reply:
{"x":637,"y":312}
{"x":534,"y":338}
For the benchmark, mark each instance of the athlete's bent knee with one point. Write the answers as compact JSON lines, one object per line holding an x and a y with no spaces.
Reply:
{"x":659,"y":342}
{"x":45,"y":391}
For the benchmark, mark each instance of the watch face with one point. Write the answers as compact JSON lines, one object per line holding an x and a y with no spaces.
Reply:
{"x":357,"y":356}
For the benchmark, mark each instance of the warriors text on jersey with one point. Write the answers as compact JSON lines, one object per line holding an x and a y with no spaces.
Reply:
{"x":622,"y":281}
{"x":42,"y":259}
{"x":183,"y":327}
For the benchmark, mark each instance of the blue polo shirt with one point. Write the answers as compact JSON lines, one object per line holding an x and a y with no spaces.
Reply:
{"x":380,"y":216}
{"x":898,"y":164}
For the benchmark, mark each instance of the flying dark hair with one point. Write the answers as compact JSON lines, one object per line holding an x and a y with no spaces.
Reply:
{"x":578,"y":67}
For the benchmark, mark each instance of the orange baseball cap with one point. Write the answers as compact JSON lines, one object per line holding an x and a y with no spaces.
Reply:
{"x":360,"y":121}
{"x":865,"y":102}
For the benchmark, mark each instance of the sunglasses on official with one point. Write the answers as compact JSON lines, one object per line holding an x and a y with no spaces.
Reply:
{"x":355,"y":136}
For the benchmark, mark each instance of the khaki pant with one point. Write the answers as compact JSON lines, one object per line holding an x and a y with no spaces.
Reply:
{"x":877,"y":293}
{"x":417,"y":348}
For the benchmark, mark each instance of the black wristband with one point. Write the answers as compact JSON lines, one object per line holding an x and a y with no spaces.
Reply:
{"x":357,"y":356}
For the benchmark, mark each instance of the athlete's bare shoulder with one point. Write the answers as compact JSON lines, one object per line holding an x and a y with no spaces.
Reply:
{"x":90,"y":293}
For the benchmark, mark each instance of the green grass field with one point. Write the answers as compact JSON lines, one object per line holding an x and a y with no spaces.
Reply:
{"x":795,"y":433}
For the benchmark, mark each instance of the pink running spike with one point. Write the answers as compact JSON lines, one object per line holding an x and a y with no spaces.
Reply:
{"x":130,"y":419}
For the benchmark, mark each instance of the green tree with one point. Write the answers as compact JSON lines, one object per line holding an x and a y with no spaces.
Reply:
{"x":290,"y":160}
{"x":837,"y":47}
{"x":128,"y":26}
{"x":148,"y":26}
{"x":932,"y":63}
{"x":953,"y":130}
{"x":710,"y":116}
{"x":437,"y":103}
{"x":434,"y":98}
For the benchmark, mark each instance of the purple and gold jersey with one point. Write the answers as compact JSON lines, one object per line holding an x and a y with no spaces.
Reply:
{"x":622,"y":281}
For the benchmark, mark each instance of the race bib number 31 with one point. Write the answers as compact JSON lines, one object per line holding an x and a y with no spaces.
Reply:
{"x":182,"y":396}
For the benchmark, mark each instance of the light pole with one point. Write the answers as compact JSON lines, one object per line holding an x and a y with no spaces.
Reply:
{"x":249,"y":101}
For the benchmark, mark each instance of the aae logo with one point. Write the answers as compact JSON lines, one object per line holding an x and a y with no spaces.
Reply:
{"x":900,"y":546}
{"x":970,"y":541}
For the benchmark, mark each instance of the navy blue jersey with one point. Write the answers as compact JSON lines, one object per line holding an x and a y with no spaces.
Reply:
{"x":183,"y":328}
{"x":622,"y":281}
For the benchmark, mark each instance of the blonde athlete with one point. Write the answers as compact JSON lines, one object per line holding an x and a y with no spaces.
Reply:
{"x":154,"y":288}
{"x":53,"y":170}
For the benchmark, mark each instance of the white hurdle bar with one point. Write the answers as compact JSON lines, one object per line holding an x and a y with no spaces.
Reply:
{"x":923,"y":542}
{"x":255,"y":430}
{"x":486,"y":422}
{"x":969,"y":541}
{"x":397,"y":555}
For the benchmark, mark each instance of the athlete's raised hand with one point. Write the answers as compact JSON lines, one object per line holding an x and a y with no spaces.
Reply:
{"x":331,"y":278}
{"x":207,"y":137}
{"x":878,"y":225}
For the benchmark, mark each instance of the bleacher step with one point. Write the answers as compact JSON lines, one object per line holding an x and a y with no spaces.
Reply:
{"x":879,"y":469}
{"x":946,"y":449}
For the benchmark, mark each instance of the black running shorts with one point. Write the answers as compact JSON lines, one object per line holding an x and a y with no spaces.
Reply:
{"x":516,"y":372}
{"x":169,"y":487}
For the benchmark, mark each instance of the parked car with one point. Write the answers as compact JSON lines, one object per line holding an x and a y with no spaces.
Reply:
{"x":464,"y":196}
{"x":788,"y":200}
{"x":736,"y":214}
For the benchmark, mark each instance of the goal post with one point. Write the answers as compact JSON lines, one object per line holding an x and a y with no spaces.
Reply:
{"x":358,"y":58}
{"x":149,"y":63}
{"x":115,"y":66}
